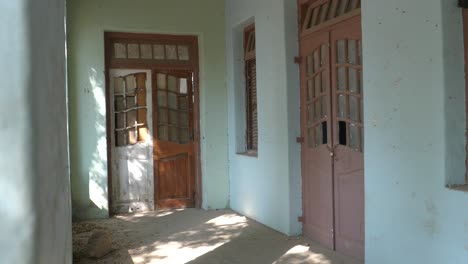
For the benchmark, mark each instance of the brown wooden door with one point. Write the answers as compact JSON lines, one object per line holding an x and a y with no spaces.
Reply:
{"x":316,"y":125}
{"x":332,"y":125}
{"x":174,"y":146}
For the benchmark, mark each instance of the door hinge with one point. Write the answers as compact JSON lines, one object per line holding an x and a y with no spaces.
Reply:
{"x":300,"y":140}
{"x":300,"y":219}
{"x":298,"y":60}
{"x":463,"y":3}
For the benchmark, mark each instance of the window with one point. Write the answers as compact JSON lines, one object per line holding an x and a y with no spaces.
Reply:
{"x":250,"y":89}
{"x":130,"y":110}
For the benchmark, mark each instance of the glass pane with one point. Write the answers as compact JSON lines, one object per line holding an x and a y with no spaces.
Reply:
{"x":310,"y":138}
{"x":183,"y":103}
{"x":173,"y":134}
{"x":143,"y":134}
{"x":318,"y":135}
{"x":146,"y":51}
{"x":324,"y":106}
{"x":341,"y":106}
{"x":184,"y":135}
{"x":183,"y":119}
{"x":119,"y":103}
{"x":183,"y":89}
{"x":352,"y":51}
{"x":162,"y":116}
{"x":131,"y":118}
{"x":340,"y":51}
{"x":161,"y":81}
{"x":158,"y":52}
{"x":342,"y":7}
{"x":132,"y":136}
{"x":310,"y":114}
{"x":359,"y":52}
{"x":318,"y":85}
{"x":353,"y":137}
{"x":341,"y":78}
{"x":120,"y":51}
{"x":183,"y":53}
{"x":361,"y":81}
{"x":324,"y":81}
{"x":119,"y":120}
{"x":323,"y":55}
{"x":316,"y":61}
{"x":324,"y":132}
{"x":342,"y":134}
{"x":120,"y":138}
{"x":318,"y":108}
{"x":353,"y":108}
{"x":172,"y":83}
{"x":162,"y":98}
{"x":163,"y":132}
{"x":310,"y":93}
{"x":130,"y":84}
{"x":173,"y":117}
{"x":171,"y":52}
{"x":119,"y":85}
{"x":352,"y":78}
{"x":323,"y":13}
{"x":133,"y":51}
{"x":309,"y":65}
{"x":172,"y":100}
{"x":353,"y":4}
{"x":131,"y":102}
{"x":361,"y":110}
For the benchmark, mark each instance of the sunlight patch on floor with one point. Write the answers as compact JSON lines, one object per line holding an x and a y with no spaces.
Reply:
{"x":188,"y":245}
{"x":302,"y":254}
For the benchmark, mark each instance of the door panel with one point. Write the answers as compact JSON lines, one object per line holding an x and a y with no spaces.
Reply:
{"x":131,"y":140}
{"x":316,"y":125}
{"x":173,"y":145}
{"x":345,"y":39}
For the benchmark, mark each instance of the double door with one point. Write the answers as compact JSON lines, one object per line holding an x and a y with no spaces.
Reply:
{"x":332,"y":127}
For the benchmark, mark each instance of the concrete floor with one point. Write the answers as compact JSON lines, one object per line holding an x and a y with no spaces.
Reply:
{"x":197,"y":236}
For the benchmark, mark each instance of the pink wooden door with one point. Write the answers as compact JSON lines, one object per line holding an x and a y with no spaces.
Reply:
{"x":348,"y":162}
{"x":316,"y":127}
{"x":332,"y":124}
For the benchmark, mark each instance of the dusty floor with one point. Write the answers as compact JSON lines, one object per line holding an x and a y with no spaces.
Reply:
{"x":196,"y":236}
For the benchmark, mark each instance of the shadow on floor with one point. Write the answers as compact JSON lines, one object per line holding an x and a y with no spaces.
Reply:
{"x":197,"y":236}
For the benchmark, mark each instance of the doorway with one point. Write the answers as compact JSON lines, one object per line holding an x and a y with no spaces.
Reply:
{"x":332,"y":124}
{"x":153,"y":141}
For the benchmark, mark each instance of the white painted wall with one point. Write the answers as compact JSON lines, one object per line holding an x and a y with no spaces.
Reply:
{"x":87,"y":21}
{"x":414,"y":132}
{"x":266,"y":188}
{"x":35,"y":208}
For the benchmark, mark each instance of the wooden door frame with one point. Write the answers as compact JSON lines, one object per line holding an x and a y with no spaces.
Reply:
{"x":150,"y":64}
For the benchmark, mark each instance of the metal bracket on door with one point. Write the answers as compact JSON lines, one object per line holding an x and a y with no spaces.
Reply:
{"x":300,"y":140}
{"x":332,"y":150}
{"x":297,"y":60}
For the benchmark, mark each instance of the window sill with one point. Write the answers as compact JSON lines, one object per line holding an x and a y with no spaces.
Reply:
{"x":250,"y":153}
{"x":461,"y":187}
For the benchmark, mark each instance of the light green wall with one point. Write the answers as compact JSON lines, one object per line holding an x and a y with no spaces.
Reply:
{"x":87,"y":20}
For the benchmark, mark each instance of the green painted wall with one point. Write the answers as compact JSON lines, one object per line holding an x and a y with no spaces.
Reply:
{"x":86,"y":22}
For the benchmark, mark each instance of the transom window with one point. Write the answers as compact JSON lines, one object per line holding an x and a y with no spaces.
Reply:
{"x":251,"y":89}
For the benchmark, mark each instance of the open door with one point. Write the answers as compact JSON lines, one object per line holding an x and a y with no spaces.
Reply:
{"x":174,"y":146}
